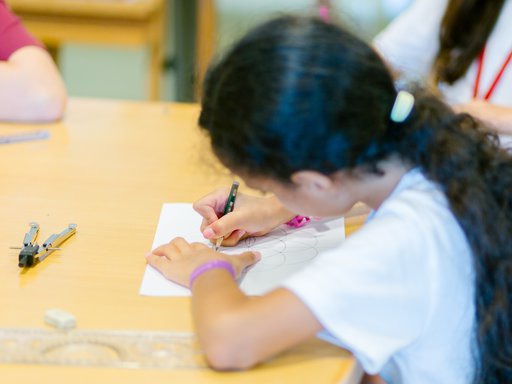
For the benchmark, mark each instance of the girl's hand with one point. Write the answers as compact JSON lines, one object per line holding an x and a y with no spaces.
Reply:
{"x":178,"y":259}
{"x":252,"y":216}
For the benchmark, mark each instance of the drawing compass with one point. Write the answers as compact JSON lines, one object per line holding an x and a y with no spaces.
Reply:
{"x":31,"y":253}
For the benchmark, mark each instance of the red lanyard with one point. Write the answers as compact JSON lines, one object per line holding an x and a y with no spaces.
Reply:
{"x":490,"y":91}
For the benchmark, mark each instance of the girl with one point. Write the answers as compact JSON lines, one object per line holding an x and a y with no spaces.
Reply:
{"x":420,"y":294}
{"x":464,"y":46}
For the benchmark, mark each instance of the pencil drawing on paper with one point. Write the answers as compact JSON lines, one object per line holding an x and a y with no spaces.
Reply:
{"x":284,"y":251}
{"x":281,"y":248}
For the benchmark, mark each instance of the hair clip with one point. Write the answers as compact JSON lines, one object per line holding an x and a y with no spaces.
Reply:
{"x":402,"y":107}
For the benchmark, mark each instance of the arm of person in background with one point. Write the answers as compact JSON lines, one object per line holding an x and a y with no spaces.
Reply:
{"x":31,"y":88}
{"x":498,"y":117}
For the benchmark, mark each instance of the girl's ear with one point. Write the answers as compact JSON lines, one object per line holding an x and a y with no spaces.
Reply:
{"x":312,"y":181}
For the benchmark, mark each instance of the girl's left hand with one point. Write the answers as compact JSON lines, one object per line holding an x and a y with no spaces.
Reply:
{"x":178,"y":259}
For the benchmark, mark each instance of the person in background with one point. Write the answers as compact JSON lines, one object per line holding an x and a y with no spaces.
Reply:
{"x":463,"y":47}
{"x":306,"y":111}
{"x":31,"y":88}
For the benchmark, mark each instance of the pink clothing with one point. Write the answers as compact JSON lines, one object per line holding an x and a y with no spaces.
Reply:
{"x":13,"y":35}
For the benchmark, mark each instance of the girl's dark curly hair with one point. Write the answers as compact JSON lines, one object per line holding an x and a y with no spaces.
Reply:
{"x":297,"y":93}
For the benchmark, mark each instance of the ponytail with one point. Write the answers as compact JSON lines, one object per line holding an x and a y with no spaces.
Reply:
{"x":465,"y":28}
{"x":475,"y":174}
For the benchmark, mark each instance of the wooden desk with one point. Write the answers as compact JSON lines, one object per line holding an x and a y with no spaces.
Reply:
{"x":136,"y":22}
{"x":108,"y":167}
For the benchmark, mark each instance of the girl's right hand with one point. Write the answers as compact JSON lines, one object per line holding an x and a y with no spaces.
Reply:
{"x":251,"y":216}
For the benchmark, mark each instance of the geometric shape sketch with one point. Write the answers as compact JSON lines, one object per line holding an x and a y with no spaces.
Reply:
{"x":284,"y":251}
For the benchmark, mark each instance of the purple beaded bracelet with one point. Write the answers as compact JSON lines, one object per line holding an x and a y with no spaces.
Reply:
{"x":213,"y":264}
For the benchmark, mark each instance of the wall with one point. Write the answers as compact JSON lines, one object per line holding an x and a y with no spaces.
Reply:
{"x":119,"y":72}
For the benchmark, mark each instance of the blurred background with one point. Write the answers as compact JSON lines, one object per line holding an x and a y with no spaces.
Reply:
{"x":111,"y":63}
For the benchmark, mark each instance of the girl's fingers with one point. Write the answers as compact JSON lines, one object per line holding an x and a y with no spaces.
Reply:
{"x":234,"y":238}
{"x":165,"y":249}
{"x":181,"y":244}
{"x":205,"y":223}
{"x":161,"y":264}
{"x":172,"y":249}
{"x":225,"y":225}
{"x":209,"y":205}
{"x":207,"y":212}
{"x":244,"y":260}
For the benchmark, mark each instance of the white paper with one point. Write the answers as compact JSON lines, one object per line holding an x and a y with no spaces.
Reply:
{"x":284,"y":251}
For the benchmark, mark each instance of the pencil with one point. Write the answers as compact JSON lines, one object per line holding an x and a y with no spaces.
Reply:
{"x":230,"y":204}
{"x":24,"y":136}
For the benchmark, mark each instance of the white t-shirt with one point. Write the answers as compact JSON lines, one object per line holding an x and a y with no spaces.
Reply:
{"x":410,"y":43}
{"x":398,"y":293}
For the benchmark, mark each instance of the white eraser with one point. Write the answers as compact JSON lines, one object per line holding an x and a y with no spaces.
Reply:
{"x":60,"y":319}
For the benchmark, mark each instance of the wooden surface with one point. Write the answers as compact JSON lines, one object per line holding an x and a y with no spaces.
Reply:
{"x":108,"y":167}
{"x":134,"y":9}
{"x":137,"y":22}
